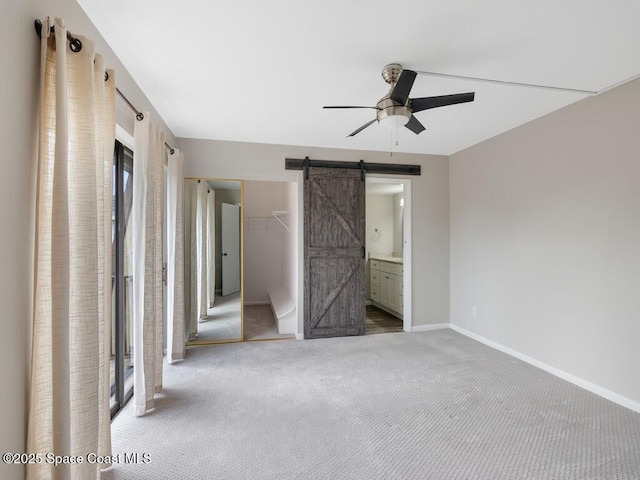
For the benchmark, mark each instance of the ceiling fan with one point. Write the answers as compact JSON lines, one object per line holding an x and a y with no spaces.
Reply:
{"x":396,"y":109}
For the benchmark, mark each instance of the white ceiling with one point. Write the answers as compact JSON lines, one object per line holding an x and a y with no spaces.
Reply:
{"x":256,"y":71}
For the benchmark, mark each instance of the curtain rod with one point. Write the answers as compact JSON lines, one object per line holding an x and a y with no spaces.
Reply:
{"x":140,"y":115}
{"x":76,"y":46}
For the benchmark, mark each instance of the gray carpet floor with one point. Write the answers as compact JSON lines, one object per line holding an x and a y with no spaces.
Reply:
{"x":223,"y":320}
{"x":429,"y":405}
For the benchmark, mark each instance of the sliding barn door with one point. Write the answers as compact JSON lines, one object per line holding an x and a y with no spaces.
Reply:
{"x":334,"y":232}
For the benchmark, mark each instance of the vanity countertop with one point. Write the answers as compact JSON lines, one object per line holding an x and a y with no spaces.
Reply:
{"x":386,"y":258}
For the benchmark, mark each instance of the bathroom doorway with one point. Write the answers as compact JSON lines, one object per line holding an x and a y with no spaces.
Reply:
{"x":388,"y":255}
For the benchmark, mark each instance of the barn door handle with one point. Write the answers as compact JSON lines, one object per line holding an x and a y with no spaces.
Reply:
{"x":224,"y":254}
{"x":362,"y":251}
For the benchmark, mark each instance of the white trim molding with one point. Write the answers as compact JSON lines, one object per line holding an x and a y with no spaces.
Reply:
{"x":430,"y":327}
{"x":124,"y":137}
{"x":591,"y":387}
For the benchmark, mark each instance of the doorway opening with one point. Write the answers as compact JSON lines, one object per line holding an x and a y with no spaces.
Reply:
{"x":388,"y":255}
{"x":271,"y":262}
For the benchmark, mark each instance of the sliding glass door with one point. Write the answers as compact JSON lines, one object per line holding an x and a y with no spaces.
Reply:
{"x":122,"y":280}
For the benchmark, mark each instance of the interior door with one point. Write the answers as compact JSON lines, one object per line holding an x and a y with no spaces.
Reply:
{"x":230,"y":233}
{"x":334,"y":232}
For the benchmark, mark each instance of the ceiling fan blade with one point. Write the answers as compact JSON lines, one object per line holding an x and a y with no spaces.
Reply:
{"x":419,"y":104}
{"x":414,"y":125}
{"x":400,"y":92}
{"x":362,"y":127}
{"x":349,"y":106}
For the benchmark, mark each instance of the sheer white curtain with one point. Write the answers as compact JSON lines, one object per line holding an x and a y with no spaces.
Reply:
{"x":69,"y":395}
{"x":201,"y":245}
{"x":175,"y":257}
{"x":211,"y":247}
{"x":147,"y":217}
{"x":191,"y":258}
{"x":196,"y":258}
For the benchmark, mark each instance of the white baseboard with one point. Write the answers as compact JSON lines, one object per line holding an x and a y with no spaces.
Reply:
{"x":592,"y":387}
{"x":428,"y":328}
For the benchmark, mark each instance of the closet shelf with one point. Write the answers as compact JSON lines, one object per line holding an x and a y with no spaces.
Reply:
{"x":279,"y":215}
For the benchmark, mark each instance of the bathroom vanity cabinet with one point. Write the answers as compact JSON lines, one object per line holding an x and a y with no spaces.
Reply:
{"x":386,"y":285}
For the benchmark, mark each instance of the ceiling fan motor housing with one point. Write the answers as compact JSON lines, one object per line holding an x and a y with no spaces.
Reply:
{"x":391,"y":73}
{"x":391,"y":114}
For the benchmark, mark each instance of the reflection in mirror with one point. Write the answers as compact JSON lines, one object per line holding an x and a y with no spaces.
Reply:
{"x":213,"y":263}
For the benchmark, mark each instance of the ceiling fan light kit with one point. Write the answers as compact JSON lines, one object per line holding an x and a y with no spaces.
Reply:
{"x":393,"y":116}
{"x":396,"y":109}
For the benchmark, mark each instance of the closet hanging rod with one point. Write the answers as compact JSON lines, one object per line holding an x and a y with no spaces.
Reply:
{"x":76,"y":46}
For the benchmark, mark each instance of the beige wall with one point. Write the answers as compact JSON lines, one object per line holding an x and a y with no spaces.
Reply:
{"x":545,"y":236}
{"x":20,"y":54}
{"x":290,"y":264}
{"x":398,"y":220}
{"x":379,"y":217}
{"x":430,"y":200}
{"x":18,"y":95}
{"x":263,"y":239}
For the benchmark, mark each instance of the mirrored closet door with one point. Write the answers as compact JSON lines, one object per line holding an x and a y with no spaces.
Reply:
{"x":213,"y":260}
